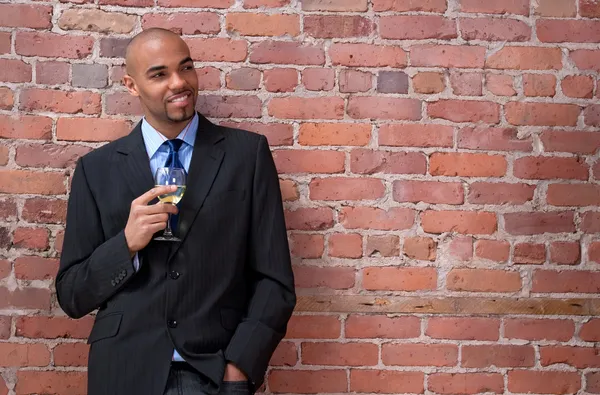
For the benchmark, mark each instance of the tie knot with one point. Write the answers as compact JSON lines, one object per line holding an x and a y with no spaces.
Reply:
{"x":174,"y":144}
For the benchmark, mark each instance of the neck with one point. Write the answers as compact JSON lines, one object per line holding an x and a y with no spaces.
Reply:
{"x":168,"y":129}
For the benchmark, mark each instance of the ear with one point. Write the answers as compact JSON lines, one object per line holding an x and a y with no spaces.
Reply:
{"x":130,"y":84}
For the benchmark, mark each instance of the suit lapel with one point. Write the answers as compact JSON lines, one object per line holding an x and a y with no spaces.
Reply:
{"x":136,"y":168}
{"x":204,"y":167}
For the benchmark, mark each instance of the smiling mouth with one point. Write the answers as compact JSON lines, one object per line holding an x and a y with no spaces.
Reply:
{"x":180,"y":98}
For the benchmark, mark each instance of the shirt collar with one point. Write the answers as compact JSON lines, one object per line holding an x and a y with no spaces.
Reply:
{"x":153,"y":139}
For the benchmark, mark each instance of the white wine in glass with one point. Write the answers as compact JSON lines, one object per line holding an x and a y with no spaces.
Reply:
{"x":170,"y":176}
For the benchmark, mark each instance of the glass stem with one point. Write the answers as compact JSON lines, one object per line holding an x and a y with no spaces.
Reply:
{"x":168,"y":231}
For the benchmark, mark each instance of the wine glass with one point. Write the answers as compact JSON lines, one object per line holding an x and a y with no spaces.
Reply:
{"x":170,"y":176}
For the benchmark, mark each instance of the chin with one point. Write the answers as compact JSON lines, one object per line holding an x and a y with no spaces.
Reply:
{"x":185,"y":115}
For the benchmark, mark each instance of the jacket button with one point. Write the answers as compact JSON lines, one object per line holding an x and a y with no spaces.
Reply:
{"x":174,"y":274}
{"x":172,"y":324}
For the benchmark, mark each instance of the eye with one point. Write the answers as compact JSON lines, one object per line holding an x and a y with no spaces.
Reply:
{"x":158,"y":75}
{"x":187,"y":68}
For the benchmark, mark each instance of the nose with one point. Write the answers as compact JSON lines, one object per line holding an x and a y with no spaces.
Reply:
{"x":176,"y":82}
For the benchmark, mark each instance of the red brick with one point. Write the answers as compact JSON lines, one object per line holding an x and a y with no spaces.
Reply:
{"x":349,"y":134}
{"x":184,"y":23}
{"x":196,"y":3}
{"x":209,"y":78}
{"x":461,"y":248}
{"x":559,"y":31}
{"x":355,"y":81}
{"x":25,"y":298}
{"x":458,"y":221}
{"x":52,"y":73}
{"x":493,"y":250}
{"x":318,"y":79}
{"x":58,"y":242}
{"x":7,"y":99}
{"x":309,"y":218}
{"x":343,"y":245}
{"x":307,"y":108}
{"x":285,"y":354}
{"x":217,"y":49}
{"x":544,"y":382}
{"x":547,"y":168}
{"x":467,"y":328}
{"x":8,"y":210}
{"x":405,"y":27}
{"x":314,"y":327}
{"x":307,"y":245}
{"x":399,"y":278}
{"x":539,"y":223}
{"x":340,"y":354}
{"x":529,"y":253}
{"x":286,"y":52}
{"x":49,"y":155}
{"x":566,"y":281}
{"x":364,"y":161}
{"x":51,"y":382}
{"x":556,"y":8}
{"x":586,"y":59}
{"x":592,"y":115}
{"x":324,"y":277}
{"x":525,"y":58}
{"x":539,"y":329}
{"x":500,"y":85}
{"x":539,"y":85}
{"x":422,"y":248}
{"x":577,"y":142}
{"x":467,"y":165}
{"x":122,"y":103}
{"x":5,"y":239}
{"x":500,"y":193}
{"x":60,"y":101}
{"x":578,"y":86}
{"x":381,"y":326}
{"x":367,"y":55}
{"x":309,"y":161}
{"x":25,"y":15}
{"x":337,"y":26}
{"x":4,"y":151}
{"x":465,"y":111}
{"x":419,"y":354}
{"x":466,"y":383}
{"x":519,"y":7}
{"x":395,"y":218}
{"x":71,"y":354}
{"x":386,"y":381}
{"x":53,"y":327}
{"x":494,"y":29}
{"x":428,"y":82}
{"x":334,"y":5}
{"x":35,"y":268}
{"x":416,"y":135}
{"x":589,"y":8}
{"x":438,"y":6}
{"x":129,"y":3}
{"x":590,"y":222}
{"x":385,"y":246}
{"x":219,"y":106}
{"x":281,"y":80}
{"x":29,"y":182}
{"x":308,"y":381}
{"x":590,"y":331}
{"x":483,"y":280}
{"x":5,"y":329}
{"x":593,"y":382}
{"x":434,"y":192}
{"x":449,"y":56}
{"x":594,"y":252}
{"x":91,"y":129}
{"x":5,"y":43}
{"x":53,"y":45}
{"x":500,"y":356}
{"x":579,"y":357}
{"x":276,"y":133}
{"x":289,"y":190}
{"x":250,"y":24}
{"x":265,"y":3}
{"x":24,"y":355}
{"x":573,"y":194}
{"x":392,"y":82}
{"x":338,"y":188}
{"x":245,"y":79}
{"x":373,"y":107}
{"x":466,"y":84}
{"x":31,"y":238}
{"x":14,"y":71}
{"x":5,"y":271}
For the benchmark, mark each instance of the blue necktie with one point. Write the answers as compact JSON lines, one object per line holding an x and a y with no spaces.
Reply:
{"x":173,"y":161}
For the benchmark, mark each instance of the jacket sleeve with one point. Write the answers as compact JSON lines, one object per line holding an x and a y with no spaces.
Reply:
{"x":273,"y":296}
{"x":92,"y":268}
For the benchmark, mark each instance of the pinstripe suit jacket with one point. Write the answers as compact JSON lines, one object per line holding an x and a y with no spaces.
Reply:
{"x":225,"y":293}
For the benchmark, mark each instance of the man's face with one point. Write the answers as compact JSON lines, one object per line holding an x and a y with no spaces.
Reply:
{"x":163,"y":77}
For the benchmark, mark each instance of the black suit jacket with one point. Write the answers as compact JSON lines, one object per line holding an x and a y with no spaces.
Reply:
{"x":225,"y":293}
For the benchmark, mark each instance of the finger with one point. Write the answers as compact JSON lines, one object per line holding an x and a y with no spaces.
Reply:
{"x":158,"y":208}
{"x":156,"y":218}
{"x":156,"y":227}
{"x":154,"y":193}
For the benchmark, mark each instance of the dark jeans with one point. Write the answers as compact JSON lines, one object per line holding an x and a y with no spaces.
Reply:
{"x":184,"y":380}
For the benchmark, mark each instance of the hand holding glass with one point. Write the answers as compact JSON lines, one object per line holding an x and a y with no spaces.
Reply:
{"x":170,"y":176}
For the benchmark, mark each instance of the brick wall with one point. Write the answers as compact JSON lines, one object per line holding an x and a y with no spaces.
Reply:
{"x":438,"y":160}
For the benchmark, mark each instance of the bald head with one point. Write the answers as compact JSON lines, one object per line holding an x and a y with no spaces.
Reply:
{"x":143,"y":40}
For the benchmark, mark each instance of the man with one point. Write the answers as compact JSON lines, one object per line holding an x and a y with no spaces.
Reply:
{"x":202,"y":315}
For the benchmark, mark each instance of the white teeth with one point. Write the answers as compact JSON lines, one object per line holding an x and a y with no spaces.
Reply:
{"x":182,"y":98}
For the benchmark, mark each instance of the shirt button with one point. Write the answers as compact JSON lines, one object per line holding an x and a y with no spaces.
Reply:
{"x":172,"y":324}
{"x":174,"y":274}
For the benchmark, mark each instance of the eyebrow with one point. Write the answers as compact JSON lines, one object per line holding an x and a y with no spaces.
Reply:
{"x":157,"y":68}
